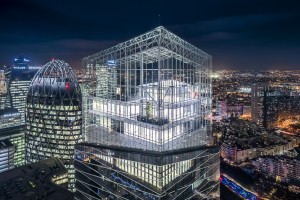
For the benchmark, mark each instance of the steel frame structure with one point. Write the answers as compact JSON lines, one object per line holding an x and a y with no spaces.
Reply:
{"x":166,"y":57}
{"x":149,"y":94}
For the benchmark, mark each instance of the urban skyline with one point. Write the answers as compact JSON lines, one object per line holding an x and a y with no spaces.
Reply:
{"x":240,"y":35}
{"x":246,"y":148}
{"x":157,"y":100}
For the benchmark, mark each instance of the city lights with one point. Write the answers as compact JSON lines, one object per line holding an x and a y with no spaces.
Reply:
{"x":157,"y":100}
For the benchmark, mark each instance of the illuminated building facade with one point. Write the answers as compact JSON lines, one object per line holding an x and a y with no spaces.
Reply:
{"x":3,"y":89}
{"x":53,"y":115}
{"x":12,"y":117}
{"x":6,"y":155}
{"x":12,"y":129}
{"x":148,"y":122}
{"x":19,"y":78}
{"x":224,"y":110}
{"x":6,"y":97}
{"x":282,"y":168}
{"x":239,"y":150}
{"x":271,"y":105}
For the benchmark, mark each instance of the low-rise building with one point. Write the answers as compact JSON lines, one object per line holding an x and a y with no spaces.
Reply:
{"x":282,"y":168}
{"x":238,"y":150}
{"x":35,"y":181}
{"x":294,"y":186}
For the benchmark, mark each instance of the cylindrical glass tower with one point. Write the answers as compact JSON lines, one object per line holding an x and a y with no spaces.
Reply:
{"x":53,"y":115}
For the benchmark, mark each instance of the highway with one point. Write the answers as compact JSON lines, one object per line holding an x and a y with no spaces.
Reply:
{"x":237,"y":188}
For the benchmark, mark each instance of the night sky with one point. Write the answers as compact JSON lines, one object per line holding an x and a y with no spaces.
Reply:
{"x":241,"y":34}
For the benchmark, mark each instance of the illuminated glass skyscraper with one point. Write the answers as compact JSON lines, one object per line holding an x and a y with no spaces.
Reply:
{"x":12,"y":118}
{"x":3,"y":89}
{"x":6,"y":155}
{"x":19,"y":77}
{"x":148,"y":122}
{"x":53,"y":115}
{"x":12,"y":129}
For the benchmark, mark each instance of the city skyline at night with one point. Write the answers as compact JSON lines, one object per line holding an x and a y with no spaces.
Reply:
{"x":150,"y":100}
{"x":241,"y":35}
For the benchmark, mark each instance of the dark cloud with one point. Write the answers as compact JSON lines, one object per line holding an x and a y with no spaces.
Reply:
{"x":240,"y":34}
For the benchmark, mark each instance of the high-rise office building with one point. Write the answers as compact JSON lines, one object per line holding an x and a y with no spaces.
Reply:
{"x":148,"y":122}
{"x":258,"y":94}
{"x":2,"y":78}
{"x":6,"y":155}
{"x":53,"y":115}
{"x":12,"y":118}
{"x":12,"y":129}
{"x":3,"y":89}
{"x":19,"y":77}
{"x":272,"y":104}
{"x":7,"y":75}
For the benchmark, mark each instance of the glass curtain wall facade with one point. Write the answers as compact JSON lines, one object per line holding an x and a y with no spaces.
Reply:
{"x":149,"y":94}
{"x":6,"y":155}
{"x":12,"y":129}
{"x":19,"y":78}
{"x":3,"y":89}
{"x":12,"y":117}
{"x":54,"y":115}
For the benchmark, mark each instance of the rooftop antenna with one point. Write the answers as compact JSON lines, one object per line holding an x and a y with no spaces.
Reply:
{"x":159,"y":10}
{"x":159,"y":20}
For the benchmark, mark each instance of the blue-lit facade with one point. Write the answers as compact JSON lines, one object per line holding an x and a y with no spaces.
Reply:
{"x":19,"y":77}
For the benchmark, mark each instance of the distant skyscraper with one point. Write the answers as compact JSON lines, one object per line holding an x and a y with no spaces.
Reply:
{"x":258,"y":92}
{"x":19,"y":78}
{"x":148,"y":122}
{"x":3,"y":89}
{"x":53,"y":115}
{"x":270,"y":104}
{"x":12,"y":118}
